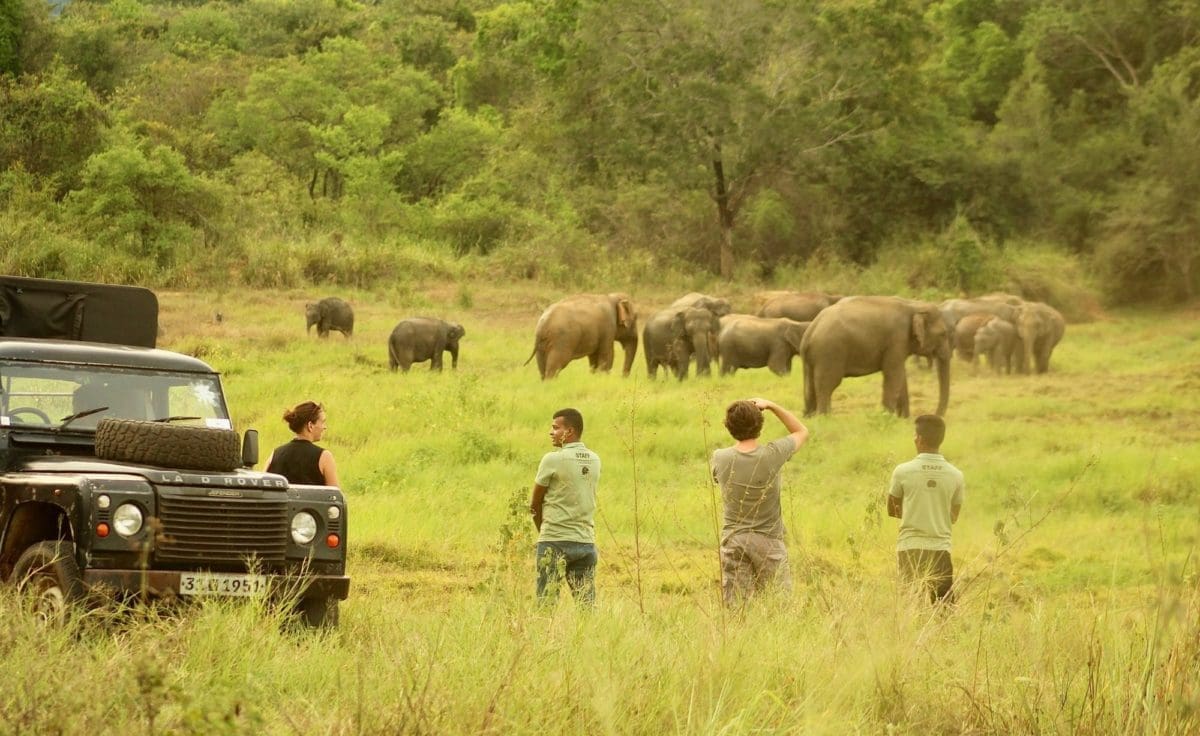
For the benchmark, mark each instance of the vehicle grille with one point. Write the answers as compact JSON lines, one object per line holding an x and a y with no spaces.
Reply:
{"x":202,"y":529}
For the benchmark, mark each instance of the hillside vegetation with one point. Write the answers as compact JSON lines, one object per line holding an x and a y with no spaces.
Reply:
{"x":278,"y":143}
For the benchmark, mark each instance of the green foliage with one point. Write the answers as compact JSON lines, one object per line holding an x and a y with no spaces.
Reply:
{"x":967,"y":263}
{"x":746,"y":137}
{"x":49,"y":126}
{"x":11,"y":20}
{"x":145,"y":203}
{"x":212,"y":25}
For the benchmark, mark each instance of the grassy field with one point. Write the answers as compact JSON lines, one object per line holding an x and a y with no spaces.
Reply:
{"x":1079,"y":609}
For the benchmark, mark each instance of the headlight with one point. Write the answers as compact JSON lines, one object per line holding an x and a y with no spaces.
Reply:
{"x":304,"y":527}
{"x":127,"y":519}
{"x":103,"y":501}
{"x":334,"y":512}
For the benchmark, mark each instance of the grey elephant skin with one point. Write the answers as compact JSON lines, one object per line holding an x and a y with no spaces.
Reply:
{"x":796,"y":305}
{"x":1040,"y":327}
{"x":750,"y":341}
{"x":997,"y":339}
{"x":964,"y":334}
{"x":419,"y":339}
{"x":673,"y":335}
{"x":862,"y":335}
{"x":585,"y":325}
{"x":719,"y":306}
{"x":329,"y":314}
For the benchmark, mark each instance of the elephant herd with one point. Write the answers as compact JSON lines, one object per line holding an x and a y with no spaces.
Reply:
{"x":413,"y":340}
{"x":836,"y":337}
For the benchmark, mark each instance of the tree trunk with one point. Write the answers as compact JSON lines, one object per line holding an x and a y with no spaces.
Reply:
{"x":724,"y":214}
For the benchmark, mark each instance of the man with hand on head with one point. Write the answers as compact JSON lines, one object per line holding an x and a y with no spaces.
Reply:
{"x":926,"y":495}
{"x":753,"y":551}
{"x":563,"y":506}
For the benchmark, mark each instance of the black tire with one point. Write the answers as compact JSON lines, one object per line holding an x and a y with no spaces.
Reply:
{"x":48,"y":570}
{"x":318,"y":613}
{"x":167,"y":445}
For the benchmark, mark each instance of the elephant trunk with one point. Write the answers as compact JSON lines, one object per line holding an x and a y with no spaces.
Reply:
{"x":630,"y":345}
{"x":702,"y":358}
{"x":943,"y":371}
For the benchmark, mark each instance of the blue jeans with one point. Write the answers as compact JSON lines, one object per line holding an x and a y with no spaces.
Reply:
{"x":577,"y":560}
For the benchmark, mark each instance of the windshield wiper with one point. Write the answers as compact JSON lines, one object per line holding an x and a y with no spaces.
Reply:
{"x":78,"y":415}
{"x":175,"y":419}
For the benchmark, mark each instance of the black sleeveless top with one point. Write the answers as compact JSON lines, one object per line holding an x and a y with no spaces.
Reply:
{"x":298,"y":462}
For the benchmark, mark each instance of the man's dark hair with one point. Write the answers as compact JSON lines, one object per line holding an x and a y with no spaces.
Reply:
{"x":744,"y":420}
{"x":572,"y":418}
{"x":932,"y":430}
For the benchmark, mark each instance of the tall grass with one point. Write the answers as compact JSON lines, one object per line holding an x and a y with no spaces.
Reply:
{"x":1075,"y":548}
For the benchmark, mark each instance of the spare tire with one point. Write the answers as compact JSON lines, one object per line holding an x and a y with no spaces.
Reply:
{"x":167,"y":445}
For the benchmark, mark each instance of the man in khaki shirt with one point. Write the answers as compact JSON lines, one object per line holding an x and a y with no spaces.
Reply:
{"x":753,"y":551}
{"x":926,"y":495}
{"x":563,"y":505}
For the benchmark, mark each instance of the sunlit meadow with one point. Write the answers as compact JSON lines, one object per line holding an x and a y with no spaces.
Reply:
{"x":1075,"y":551}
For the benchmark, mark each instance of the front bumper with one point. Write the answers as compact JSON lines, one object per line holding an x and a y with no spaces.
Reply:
{"x":165,"y":584}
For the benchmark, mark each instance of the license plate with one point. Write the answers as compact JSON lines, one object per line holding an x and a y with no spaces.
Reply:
{"x":221,"y":583}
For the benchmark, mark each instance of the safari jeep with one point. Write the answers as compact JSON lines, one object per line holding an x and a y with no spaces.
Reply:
{"x":121,"y":474}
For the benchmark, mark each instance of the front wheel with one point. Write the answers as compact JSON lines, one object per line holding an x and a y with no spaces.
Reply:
{"x":318,"y":612}
{"x":48,"y":571}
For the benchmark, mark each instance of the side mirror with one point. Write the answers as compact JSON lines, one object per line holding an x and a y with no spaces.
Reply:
{"x":250,"y":448}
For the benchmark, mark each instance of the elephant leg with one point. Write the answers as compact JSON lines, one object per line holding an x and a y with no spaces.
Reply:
{"x":825,"y":382}
{"x":894,"y":387}
{"x":541,"y":363}
{"x":555,"y":361}
{"x":604,"y":359}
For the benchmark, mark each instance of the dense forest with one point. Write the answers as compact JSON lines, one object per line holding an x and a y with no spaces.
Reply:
{"x":282,"y":142}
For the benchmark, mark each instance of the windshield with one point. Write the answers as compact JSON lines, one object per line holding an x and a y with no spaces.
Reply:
{"x":40,"y":395}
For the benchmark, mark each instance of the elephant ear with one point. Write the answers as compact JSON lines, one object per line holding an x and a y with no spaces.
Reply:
{"x":678,"y":324}
{"x":794,"y":334}
{"x":457,"y":330}
{"x":918,"y":331}
{"x":625,"y":313}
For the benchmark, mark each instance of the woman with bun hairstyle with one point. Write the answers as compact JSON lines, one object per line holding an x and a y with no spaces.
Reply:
{"x":301,"y":461}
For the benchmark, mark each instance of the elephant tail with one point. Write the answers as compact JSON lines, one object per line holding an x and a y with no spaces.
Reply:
{"x":810,"y":388}
{"x":531,"y":354}
{"x":393,"y":359}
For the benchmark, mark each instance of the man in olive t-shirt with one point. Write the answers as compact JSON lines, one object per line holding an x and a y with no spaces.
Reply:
{"x":753,"y":551}
{"x":926,"y":494}
{"x":563,"y":507}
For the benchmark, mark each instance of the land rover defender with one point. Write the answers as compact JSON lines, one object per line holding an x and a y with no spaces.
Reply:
{"x":121,"y":473}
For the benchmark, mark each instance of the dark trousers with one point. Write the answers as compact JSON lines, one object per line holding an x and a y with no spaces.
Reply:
{"x":575,"y":560}
{"x":930,"y":570}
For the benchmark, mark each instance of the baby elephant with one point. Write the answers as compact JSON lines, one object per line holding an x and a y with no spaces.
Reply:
{"x":419,"y":339}
{"x":328,"y":314}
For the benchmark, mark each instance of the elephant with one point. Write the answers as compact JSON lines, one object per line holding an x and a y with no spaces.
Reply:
{"x":328,"y":314}
{"x":999,"y":305}
{"x":997,"y":339}
{"x":672,"y":336}
{"x":798,"y":306}
{"x":964,"y":334}
{"x":585,"y":325}
{"x":750,"y":341}
{"x":1040,"y":327}
{"x":418,"y":339}
{"x":867,"y":334}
